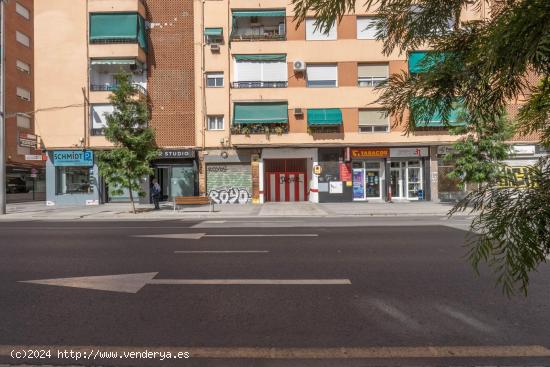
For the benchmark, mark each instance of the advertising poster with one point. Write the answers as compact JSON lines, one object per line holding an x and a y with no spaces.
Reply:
{"x":358,"y":184}
{"x":345,"y":171}
{"x":336,"y":187}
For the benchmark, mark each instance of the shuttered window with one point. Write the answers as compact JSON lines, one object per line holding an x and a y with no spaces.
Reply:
{"x":21,"y":10}
{"x":373,"y":121}
{"x":260,"y":73}
{"x":22,"y":39}
{"x":23,"y":66}
{"x":23,"y":94}
{"x":99,"y":117}
{"x":370,"y":75}
{"x":314,"y":33}
{"x":365,"y":28}
{"x":325,"y":75}
{"x":23,"y":121}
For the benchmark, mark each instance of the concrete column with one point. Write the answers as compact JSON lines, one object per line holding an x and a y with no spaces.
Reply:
{"x":255,"y":168}
{"x":261,"y":180}
{"x":314,"y":182}
{"x":434,"y":179}
{"x":202,"y":174}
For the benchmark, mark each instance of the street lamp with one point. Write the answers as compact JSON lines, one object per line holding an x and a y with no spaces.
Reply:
{"x":2,"y":110}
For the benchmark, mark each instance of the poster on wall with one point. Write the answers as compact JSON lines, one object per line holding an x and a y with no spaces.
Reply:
{"x":358,"y":185}
{"x":345,"y":171}
{"x":336,"y":187}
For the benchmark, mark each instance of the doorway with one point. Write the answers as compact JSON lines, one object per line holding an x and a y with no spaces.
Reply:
{"x":175,"y":181}
{"x":286,"y":180}
{"x":367,"y":180}
{"x":406,"y":179}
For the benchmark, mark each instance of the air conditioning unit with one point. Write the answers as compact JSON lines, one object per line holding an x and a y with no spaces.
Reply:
{"x":299,"y":65}
{"x":215,"y":47}
{"x":298,"y":112}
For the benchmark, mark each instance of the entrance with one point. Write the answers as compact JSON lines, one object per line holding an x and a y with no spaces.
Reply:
{"x":367,"y":180}
{"x":175,"y":181}
{"x":406,"y":179}
{"x":286,"y":180}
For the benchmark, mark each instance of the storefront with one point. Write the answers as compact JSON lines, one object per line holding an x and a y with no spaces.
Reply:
{"x":72,"y":178}
{"x":25,"y":184}
{"x":229,"y":176}
{"x":408,"y":179}
{"x":177,"y":174}
{"x":369,"y":173}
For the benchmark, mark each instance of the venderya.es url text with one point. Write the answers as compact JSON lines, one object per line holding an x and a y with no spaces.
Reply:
{"x":41,"y":354}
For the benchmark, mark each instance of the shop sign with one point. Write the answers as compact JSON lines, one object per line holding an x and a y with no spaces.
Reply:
{"x":27,"y":140}
{"x":523,"y":149}
{"x":317,"y":169}
{"x":370,"y":153}
{"x":83,"y":158}
{"x":408,"y":152}
{"x":34,"y":157}
{"x":175,"y":154}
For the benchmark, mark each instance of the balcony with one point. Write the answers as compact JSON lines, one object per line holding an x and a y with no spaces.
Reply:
{"x":261,"y":25}
{"x":104,"y":71}
{"x":259,"y":84}
{"x":118,"y":28}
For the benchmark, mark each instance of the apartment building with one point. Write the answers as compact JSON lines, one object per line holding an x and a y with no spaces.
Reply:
{"x":289,"y":113}
{"x":24,"y":165}
{"x":80,"y":46}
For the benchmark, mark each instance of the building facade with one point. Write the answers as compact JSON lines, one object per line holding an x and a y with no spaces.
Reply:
{"x":80,"y":46}
{"x":24,"y":164}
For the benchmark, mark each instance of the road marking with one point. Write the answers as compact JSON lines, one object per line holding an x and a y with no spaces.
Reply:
{"x":510,"y":351}
{"x":468,"y":320}
{"x":198,"y":236}
{"x":395,"y":314}
{"x":221,"y":252}
{"x":133,"y":283}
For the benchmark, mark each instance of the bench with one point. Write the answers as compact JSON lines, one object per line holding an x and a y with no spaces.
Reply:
{"x":193,"y":200}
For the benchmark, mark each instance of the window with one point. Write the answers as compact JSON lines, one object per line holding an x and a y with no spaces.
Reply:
{"x":23,"y":94}
{"x":23,"y":66}
{"x":370,"y":75}
{"x":23,"y":121}
{"x":73,"y":180}
{"x":215,"y":122}
{"x":99,"y":117}
{"x":260,"y":71}
{"x":373,"y":121}
{"x":21,"y":10}
{"x":22,"y":39}
{"x":213,"y":35}
{"x":214,"y":80}
{"x":313,"y":33}
{"x":322,"y":76}
{"x":366,"y":28}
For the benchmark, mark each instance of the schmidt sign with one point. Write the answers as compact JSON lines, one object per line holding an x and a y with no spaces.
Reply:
{"x":73,"y":158}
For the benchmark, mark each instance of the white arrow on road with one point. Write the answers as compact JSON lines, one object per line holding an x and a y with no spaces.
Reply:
{"x":132,"y":283}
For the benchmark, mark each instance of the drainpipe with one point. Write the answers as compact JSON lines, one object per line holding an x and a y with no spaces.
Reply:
{"x":203,"y":76}
{"x":229,"y":26}
{"x":2,"y":111}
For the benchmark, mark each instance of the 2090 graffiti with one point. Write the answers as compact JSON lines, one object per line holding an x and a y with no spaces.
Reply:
{"x":230,"y":195}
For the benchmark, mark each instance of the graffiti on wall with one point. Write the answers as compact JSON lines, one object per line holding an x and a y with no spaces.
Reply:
{"x":517,"y":177}
{"x":230,"y":195}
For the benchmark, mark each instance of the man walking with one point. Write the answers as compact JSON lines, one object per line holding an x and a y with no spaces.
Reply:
{"x":155,"y":193}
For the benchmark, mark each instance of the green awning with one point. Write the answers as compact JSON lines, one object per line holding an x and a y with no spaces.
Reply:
{"x":421,"y":61}
{"x":259,"y":13}
{"x":324,"y":116}
{"x":262,"y":57}
{"x":142,"y":35}
{"x":113,"y":26}
{"x":213,"y":31}
{"x":260,"y":113}
{"x":421,"y":113}
{"x":113,"y":62}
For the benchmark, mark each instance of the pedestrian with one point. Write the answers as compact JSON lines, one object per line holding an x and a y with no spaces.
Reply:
{"x":155,"y":193}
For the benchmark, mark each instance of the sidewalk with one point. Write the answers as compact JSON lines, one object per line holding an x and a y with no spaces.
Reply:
{"x":39,"y":211}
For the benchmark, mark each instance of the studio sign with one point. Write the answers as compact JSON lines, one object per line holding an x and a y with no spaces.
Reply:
{"x":180,"y":153}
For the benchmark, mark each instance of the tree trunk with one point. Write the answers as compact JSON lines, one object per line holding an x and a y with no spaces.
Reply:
{"x":132,"y":197}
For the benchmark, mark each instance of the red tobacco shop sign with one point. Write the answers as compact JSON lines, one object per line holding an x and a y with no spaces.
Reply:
{"x":370,"y":153}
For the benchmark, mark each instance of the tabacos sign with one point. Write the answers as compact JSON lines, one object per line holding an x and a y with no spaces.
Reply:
{"x":370,"y":153}
{"x":73,"y":158}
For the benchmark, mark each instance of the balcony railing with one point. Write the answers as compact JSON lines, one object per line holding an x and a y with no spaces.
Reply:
{"x":112,"y":87}
{"x":255,"y":129}
{"x":259,"y":84}
{"x":265,"y":36}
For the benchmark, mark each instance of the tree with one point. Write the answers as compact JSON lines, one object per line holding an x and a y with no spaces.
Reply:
{"x":486,"y":65}
{"x":134,"y":142}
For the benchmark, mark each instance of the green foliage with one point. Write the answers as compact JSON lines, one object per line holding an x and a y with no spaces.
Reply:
{"x":487,"y":65}
{"x":511,"y":228}
{"x":478,"y":154}
{"x":134,"y":142}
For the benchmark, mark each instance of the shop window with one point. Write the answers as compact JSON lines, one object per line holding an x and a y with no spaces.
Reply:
{"x":214,"y":80}
{"x":73,"y":180}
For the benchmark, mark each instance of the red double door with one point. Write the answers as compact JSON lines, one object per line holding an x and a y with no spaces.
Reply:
{"x":286,"y":180}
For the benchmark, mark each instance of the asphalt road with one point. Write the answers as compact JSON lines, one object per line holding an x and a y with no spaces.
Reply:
{"x":400,"y":295}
